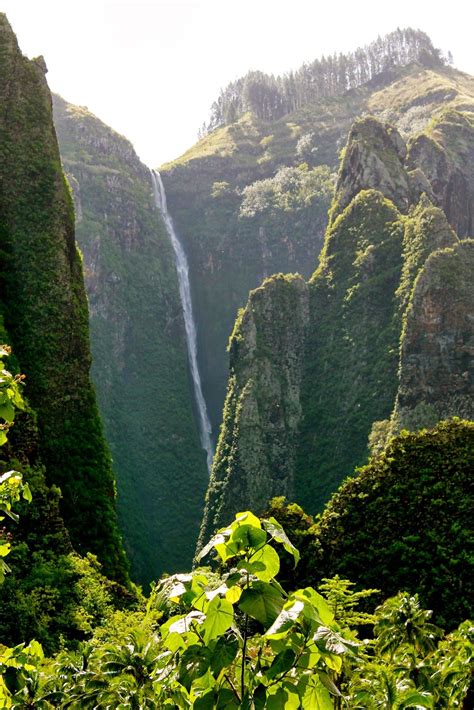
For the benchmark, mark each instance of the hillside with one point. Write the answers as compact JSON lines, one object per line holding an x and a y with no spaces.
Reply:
{"x":140,"y":366}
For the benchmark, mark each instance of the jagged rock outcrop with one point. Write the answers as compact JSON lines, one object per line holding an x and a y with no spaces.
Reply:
{"x":44,"y":306}
{"x":445,"y":155}
{"x":392,"y":278}
{"x":374,"y":158}
{"x":137,"y":336}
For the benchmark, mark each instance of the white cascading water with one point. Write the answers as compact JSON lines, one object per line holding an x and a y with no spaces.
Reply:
{"x":182,"y":269}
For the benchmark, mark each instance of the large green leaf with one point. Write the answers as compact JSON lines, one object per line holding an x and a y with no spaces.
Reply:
{"x":7,"y":411}
{"x":227,"y":700}
{"x":262,"y":602}
{"x":219,"y":617}
{"x":281,"y":663}
{"x":246,"y":537}
{"x":275,"y":530}
{"x":224,"y":652}
{"x":282,"y":696}
{"x":193,"y":664}
{"x":332,"y":642}
{"x":265,"y":563}
{"x":316,"y":607}
{"x":285,"y":620}
{"x":314,"y":696}
{"x":205,"y":701}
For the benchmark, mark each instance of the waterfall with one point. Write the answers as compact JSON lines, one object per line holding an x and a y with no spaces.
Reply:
{"x":182,"y":269}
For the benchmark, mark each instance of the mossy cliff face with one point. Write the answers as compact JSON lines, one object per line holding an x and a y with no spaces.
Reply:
{"x":255,"y":456}
{"x":235,"y":209}
{"x":445,"y":154}
{"x":139,"y":352}
{"x":44,"y":306}
{"x":437,"y":345}
{"x":384,"y":270}
{"x":352,"y":349}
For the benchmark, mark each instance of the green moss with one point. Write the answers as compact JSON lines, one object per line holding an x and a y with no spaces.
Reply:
{"x":352,"y":349}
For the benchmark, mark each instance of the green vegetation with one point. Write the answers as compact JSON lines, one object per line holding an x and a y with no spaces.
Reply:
{"x":50,"y":593}
{"x":234,"y":638}
{"x":137,"y":339}
{"x":402,"y":522}
{"x":230,"y":253}
{"x":44,"y":308}
{"x":270,"y":97}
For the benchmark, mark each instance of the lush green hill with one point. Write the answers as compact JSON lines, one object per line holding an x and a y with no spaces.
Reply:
{"x":137,"y":335}
{"x":404,"y":522}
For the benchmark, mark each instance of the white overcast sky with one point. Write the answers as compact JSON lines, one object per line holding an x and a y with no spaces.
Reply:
{"x":151,"y":68}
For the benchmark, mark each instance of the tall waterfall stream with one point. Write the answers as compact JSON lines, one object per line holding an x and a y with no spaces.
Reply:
{"x":182,"y":269}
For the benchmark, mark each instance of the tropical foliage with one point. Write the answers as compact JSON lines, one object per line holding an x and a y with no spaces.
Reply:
{"x":232,"y":637}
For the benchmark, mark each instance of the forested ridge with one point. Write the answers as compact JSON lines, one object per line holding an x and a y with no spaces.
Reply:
{"x":271,"y":97}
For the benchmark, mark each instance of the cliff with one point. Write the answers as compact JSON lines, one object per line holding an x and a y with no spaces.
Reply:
{"x":255,"y":455}
{"x":388,"y":328}
{"x":44,"y":307}
{"x":437,"y":343}
{"x":140,"y":365}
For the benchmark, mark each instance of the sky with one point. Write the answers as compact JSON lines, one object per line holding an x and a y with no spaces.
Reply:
{"x":152,"y":68}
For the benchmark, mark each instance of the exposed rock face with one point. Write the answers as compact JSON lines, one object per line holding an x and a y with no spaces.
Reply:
{"x":45,"y":310}
{"x":445,"y":154}
{"x":437,"y":346}
{"x":373,"y":158}
{"x":393,"y":278}
{"x":139,"y":351}
{"x":263,"y":408}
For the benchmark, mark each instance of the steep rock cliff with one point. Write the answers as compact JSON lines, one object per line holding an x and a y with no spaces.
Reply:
{"x":262,"y":411}
{"x":137,"y":335}
{"x":445,"y":155}
{"x":389,"y":320}
{"x":44,"y":306}
{"x":437,"y":343}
